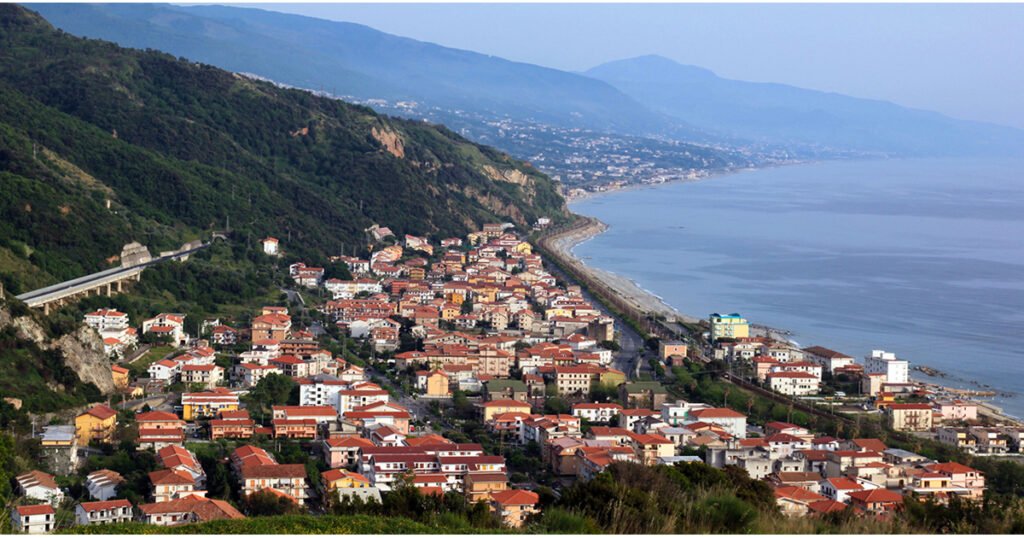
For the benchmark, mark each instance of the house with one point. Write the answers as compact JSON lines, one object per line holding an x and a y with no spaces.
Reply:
{"x":288,"y":479}
{"x":164,"y":370}
{"x":171,"y":484}
{"x":40,"y":486}
{"x":207,"y":404}
{"x":499,"y":407}
{"x":180,"y":459}
{"x":481,"y":486}
{"x":733,"y":422}
{"x":650,"y":448}
{"x":58,"y":446}
{"x":170,"y":326}
{"x":829,"y":359}
{"x":596,"y":412}
{"x":189,"y":509}
{"x":793,"y":383}
{"x":33,"y":519}
{"x":158,"y":429}
{"x":839,"y":488}
{"x":876,"y":501}
{"x":961,"y":476}
{"x":957,"y":410}
{"x":294,"y":428}
{"x":911,"y":417}
{"x":434,"y":384}
{"x":103,"y":512}
{"x":506,"y":389}
{"x":348,"y":484}
{"x":102,"y":484}
{"x":514,"y":506}
{"x":796,"y":500}
{"x":95,"y":424}
{"x":120,"y":376}
{"x":232,"y":425}
{"x":649,"y":394}
{"x":271,"y":246}
{"x":271,"y":327}
{"x":343,"y":451}
{"x":670,"y":348}
{"x":206,"y":375}
{"x":222,"y":335}
{"x":728,"y":326}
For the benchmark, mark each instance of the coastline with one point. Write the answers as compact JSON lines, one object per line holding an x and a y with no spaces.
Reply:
{"x":630,"y":291}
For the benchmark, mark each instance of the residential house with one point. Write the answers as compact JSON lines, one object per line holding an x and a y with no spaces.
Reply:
{"x":95,"y":424}
{"x":102,"y":484}
{"x":103,"y":512}
{"x":40,"y":486}
{"x":514,"y":506}
{"x":33,"y":519}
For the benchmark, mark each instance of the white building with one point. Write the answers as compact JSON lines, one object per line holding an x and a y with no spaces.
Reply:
{"x":596,"y":412}
{"x":883,"y":362}
{"x":733,"y":422}
{"x":270,"y":246}
{"x":41,"y":486}
{"x":105,"y":320}
{"x":102,"y":484}
{"x":103,"y":512}
{"x":33,"y":519}
{"x":793,"y":383}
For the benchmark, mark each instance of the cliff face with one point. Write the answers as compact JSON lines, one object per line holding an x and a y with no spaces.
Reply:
{"x":82,"y":350}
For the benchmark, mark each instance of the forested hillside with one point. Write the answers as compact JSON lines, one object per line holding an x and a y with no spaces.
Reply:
{"x":101,"y":145}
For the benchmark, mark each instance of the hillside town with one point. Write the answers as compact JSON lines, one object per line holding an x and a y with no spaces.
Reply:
{"x":475,"y":368}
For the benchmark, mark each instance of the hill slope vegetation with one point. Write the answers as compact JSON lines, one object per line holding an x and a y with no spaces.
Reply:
{"x":101,"y":145}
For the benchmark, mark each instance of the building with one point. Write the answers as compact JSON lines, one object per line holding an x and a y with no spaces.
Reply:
{"x":957,"y":410}
{"x":34,"y":519}
{"x":103,"y":512}
{"x":648,"y":394}
{"x":913,"y":417}
{"x":271,"y":246}
{"x":207,"y":404}
{"x":500,"y":407}
{"x":102,"y":484}
{"x":793,"y":383}
{"x":829,"y":359}
{"x":596,"y":412}
{"x":232,"y":425}
{"x":206,"y":375}
{"x":514,"y":506}
{"x":669,"y":348}
{"x":288,"y":479}
{"x":728,"y":326}
{"x":883,"y":362}
{"x":876,"y":501}
{"x":344,"y":483}
{"x":59,"y":446}
{"x":171,"y":484}
{"x":271,"y":327}
{"x":733,"y":422}
{"x":190,"y":509}
{"x":40,"y":486}
{"x":95,"y":424}
{"x":434,"y":384}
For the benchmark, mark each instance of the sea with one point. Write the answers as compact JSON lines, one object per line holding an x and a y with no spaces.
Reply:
{"x":923,"y":258}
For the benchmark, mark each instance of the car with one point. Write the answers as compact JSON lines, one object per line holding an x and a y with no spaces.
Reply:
{"x":840,"y":394}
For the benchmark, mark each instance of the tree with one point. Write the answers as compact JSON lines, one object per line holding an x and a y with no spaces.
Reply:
{"x":274,"y":389}
{"x":269,"y":503}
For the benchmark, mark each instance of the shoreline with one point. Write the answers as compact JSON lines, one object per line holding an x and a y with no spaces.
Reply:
{"x":565,"y":242}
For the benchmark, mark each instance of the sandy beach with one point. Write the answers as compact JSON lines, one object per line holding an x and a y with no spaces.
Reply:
{"x":587,"y":228}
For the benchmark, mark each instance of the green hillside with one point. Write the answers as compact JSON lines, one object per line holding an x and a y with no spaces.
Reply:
{"x":178,"y":149}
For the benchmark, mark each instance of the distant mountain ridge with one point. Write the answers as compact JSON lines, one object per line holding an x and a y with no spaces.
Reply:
{"x":788,"y":114}
{"x":649,"y":96}
{"x":352,"y":59}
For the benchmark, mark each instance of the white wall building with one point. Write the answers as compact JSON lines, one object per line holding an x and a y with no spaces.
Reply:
{"x":883,"y":362}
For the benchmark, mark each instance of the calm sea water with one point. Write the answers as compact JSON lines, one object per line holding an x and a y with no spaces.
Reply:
{"x":924,"y":258}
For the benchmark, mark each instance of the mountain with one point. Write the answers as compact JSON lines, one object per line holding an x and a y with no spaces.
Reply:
{"x":354,"y":60}
{"x":101,"y":145}
{"x":791,"y":115}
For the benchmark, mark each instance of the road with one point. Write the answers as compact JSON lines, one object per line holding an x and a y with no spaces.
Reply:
{"x":630,"y":358}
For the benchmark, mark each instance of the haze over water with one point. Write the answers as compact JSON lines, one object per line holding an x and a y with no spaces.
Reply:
{"x":924,"y":258}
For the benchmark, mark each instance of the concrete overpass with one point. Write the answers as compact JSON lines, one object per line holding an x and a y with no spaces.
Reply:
{"x":106,"y":282}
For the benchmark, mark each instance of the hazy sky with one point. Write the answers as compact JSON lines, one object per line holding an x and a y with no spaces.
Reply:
{"x":962,"y":60}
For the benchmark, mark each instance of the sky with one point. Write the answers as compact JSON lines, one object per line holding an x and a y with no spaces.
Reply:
{"x":963,"y":60}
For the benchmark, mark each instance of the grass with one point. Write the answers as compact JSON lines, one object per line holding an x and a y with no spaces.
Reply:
{"x":142,"y":364}
{"x":360,"y":524}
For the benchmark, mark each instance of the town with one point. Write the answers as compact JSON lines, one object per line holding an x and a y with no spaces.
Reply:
{"x":472,"y":366}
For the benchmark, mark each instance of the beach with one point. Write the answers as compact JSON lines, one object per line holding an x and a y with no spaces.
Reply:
{"x":586,"y":228}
